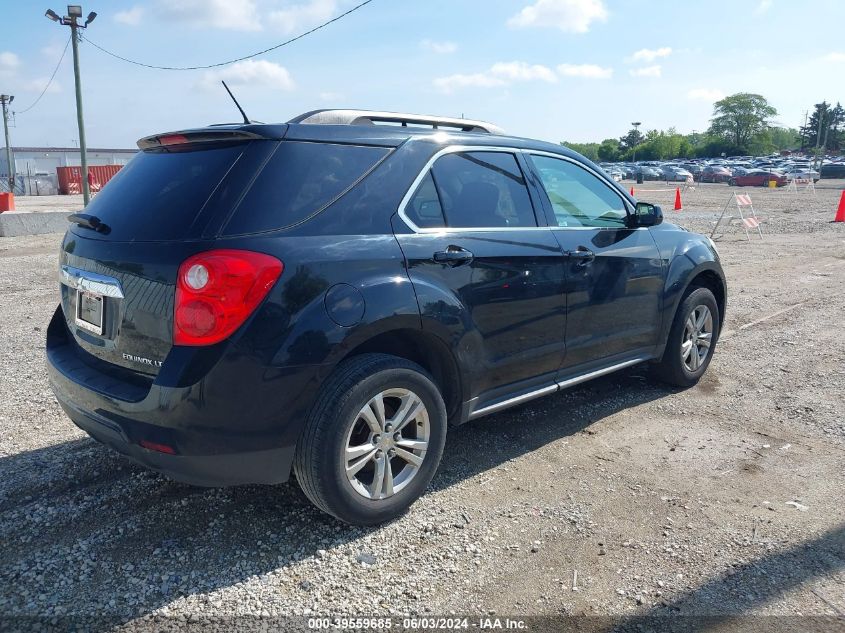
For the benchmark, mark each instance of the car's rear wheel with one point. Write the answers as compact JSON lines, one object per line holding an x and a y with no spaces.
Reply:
{"x":373,"y":441}
{"x":692,"y":339}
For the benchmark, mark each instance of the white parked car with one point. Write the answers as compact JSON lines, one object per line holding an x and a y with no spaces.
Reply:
{"x":677,"y":174}
{"x":803,"y":173}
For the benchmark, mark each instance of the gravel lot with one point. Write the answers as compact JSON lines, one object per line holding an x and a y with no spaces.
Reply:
{"x":723,"y":499}
{"x":40,"y":204}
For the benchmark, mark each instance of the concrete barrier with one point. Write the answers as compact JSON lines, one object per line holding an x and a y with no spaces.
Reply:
{"x":16,"y":224}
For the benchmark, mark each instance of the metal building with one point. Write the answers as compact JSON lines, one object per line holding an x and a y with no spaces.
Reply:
{"x":35,"y":167}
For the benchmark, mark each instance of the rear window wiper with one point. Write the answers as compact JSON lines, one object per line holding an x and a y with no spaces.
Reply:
{"x":89,"y":222}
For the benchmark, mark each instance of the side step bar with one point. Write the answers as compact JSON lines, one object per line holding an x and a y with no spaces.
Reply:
{"x":544,"y":391}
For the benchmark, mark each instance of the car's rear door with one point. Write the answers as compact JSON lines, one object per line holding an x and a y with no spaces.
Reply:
{"x":488,"y":276}
{"x":614,"y":274}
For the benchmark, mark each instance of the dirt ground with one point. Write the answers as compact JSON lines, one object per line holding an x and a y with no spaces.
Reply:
{"x":620,"y":497}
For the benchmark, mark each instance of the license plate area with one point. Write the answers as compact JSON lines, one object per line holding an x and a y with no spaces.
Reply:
{"x":90,"y":307}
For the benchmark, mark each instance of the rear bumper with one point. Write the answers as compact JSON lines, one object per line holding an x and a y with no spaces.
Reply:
{"x":266,"y":467}
{"x":238,"y":423}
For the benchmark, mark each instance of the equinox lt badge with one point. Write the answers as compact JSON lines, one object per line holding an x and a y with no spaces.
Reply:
{"x":142,"y":360}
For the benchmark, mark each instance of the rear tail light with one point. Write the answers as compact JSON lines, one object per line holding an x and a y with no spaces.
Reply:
{"x":217,"y":290}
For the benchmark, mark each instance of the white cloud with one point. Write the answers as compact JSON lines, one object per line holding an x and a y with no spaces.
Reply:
{"x":590,"y":71}
{"x":300,"y":17}
{"x":570,"y":16}
{"x":439,"y":47}
{"x":9,"y":63}
{"x":763,"y":7}
{"x":834,"y":57}
{"x":705,"y":94}
{"x":475,"y":80}
{"x":252,"y":73}
{"x":500,"y":74}
{"x":330,"y":96}
{"x":233,"y":15}
{"x":649,"y":55}
{"x":646,"y":71}
{"x":520,"y":71}
{"x":131,"y":16}
{"x":37,"y":85}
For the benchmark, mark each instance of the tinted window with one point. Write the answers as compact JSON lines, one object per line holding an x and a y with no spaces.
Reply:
{"x":578,"y":197}
{"x":424,"y":209}
{"x":157,"y":195}
{"x":299,"y":180}
{"x":483,"y":189}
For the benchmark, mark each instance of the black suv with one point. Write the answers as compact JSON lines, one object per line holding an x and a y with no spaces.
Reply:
{"x":324,"y":295}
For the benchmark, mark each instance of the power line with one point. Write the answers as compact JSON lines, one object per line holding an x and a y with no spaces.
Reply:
{"x":55,"y":70}
{"x":231,"y":61}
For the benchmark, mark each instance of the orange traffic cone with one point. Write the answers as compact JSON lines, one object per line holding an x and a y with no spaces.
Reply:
{"x":840,"y":212}
{"x":678,"y":205}
{"x":632,"y":192}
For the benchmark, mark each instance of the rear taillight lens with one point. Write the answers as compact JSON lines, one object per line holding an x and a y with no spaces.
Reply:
{"x":217,"y":290}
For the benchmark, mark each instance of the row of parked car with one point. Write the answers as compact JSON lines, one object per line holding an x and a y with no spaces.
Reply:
{"x":741,"y":171}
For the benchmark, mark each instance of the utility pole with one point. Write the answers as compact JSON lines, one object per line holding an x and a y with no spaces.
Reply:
{"x":74,"y":13}
{"x":822,"y":112}
{"x":6,"y":100}
{"x":636,"y":125}
{"x":804,"y":128}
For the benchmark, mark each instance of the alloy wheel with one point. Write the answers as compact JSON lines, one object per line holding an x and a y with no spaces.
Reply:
{"x":698,"y":337}
{"x":386,"y":444}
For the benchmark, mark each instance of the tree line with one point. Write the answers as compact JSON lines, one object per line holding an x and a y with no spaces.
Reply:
{"x":741,"y":125}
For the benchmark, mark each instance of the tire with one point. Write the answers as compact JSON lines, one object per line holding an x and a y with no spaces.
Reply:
{"x":338,"y":420}
{"x":732,"y":182}
{"x":675,"y":367}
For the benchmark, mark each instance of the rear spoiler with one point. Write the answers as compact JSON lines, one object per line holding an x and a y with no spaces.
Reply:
{"x":169,"y":139}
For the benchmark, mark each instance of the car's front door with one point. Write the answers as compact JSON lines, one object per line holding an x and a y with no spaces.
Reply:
{"x":488,"y":277}
{"x":614,"y":274}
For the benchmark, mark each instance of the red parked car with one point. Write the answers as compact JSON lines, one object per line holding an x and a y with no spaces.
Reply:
{"x":715,"y":173}
{"x":758,"y":178}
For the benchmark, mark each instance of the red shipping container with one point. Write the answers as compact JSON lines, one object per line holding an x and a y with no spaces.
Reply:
{"x":70,"y":178}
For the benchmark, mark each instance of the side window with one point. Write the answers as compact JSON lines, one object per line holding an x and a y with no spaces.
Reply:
{"x":483,"y":189}
{"x":300,"y":178}
{"x":424,"y":208}
{"x":578,"y":197}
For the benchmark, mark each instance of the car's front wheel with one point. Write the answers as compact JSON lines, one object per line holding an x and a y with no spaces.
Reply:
{"x":373,"y":441}
{"x":692,"y":339}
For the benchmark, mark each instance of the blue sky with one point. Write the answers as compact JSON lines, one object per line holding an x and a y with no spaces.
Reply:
{"x":552,"y":69}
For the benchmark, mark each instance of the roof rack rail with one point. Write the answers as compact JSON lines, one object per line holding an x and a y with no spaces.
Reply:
{"x":370,"y":117}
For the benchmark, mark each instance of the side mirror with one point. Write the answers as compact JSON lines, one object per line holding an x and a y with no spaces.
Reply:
{"x":646,"y":214}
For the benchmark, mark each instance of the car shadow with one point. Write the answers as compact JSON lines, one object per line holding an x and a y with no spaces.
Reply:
{"x":85,"y":532}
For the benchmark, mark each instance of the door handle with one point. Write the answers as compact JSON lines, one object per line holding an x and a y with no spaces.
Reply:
{"x":454,"y":256}
{"x":582,"y":255}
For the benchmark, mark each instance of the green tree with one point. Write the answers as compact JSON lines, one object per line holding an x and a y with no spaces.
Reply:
{"x":826,"y":127}
{"x":739,"y":118}
{"x":631,"y":139}
{"x":588,"y":150}
{"x":609,"y":150}
{"x":785,"y":138}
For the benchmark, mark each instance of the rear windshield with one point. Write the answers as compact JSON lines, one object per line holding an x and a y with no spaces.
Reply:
{"x":158,"y":194}
{"x":300,"y":179}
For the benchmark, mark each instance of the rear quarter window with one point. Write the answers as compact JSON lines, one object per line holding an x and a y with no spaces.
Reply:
{"x":299,"y":180}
